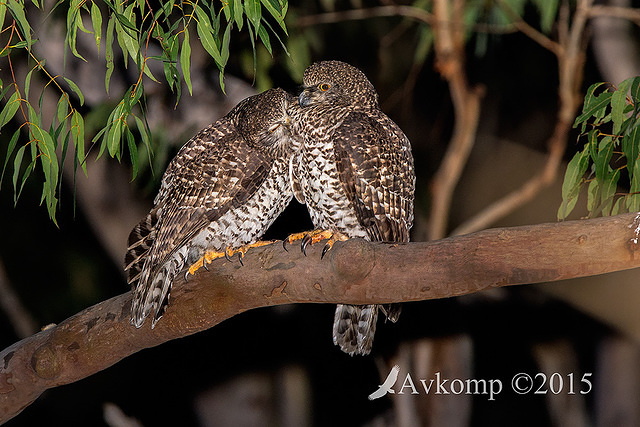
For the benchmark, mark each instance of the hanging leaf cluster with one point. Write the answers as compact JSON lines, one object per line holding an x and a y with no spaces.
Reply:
{"x":610,"y":123}
{"x":130,"y":26}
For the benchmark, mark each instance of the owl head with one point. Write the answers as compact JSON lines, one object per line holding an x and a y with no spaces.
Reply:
{"x":262,"y":119}
{"x":337,"y":83}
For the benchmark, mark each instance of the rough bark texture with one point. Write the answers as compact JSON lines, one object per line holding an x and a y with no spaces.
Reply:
{"x":354,"y":272}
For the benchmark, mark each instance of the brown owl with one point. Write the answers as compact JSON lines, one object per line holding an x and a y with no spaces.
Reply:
{"x":355,"y":173}
{"x":222,"y":191}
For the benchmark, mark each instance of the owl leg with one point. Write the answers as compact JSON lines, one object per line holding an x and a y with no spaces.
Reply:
{"x":315,"y":236}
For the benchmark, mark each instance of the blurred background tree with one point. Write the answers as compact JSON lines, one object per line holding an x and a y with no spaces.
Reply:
{"x":487,"y":92}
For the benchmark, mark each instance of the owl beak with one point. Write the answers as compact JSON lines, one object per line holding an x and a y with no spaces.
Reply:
{"x":272,"y":128}
{"x":305,"y":98}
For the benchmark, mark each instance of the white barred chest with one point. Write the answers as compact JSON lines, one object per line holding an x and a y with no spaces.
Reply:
{"x":324,"y":195}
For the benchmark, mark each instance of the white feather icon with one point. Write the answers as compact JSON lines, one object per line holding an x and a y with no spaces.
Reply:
{"x":385,"y":387}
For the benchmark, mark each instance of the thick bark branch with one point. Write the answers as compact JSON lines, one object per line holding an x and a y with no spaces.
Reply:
{"x":355,"y":272}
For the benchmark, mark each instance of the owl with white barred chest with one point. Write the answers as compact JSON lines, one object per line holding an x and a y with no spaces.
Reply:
{"x":355,"y":173}
{"x":223,"y":189}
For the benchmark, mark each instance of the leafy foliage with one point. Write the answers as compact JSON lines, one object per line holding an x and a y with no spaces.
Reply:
{"x":131,"y":26}
{"x":610,"y":121}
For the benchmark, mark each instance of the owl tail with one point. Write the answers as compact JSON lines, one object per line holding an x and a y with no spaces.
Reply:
{"x":151,"y":294}
{"x":139,"y":244}
{"x":354,"y":327}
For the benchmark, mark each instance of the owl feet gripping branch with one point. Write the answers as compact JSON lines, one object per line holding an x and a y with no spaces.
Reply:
{"x":209,"y":256}
{"x":315,"y":236}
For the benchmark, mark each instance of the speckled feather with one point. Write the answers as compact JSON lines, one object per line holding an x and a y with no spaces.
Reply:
{"x":355,"y":173}
{"x":224,"y":188}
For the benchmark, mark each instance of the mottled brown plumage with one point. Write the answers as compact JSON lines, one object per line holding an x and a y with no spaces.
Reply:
{"x":355,"y":173}
{"x":223,"y":189}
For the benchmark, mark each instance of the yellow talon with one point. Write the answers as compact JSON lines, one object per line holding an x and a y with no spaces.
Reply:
{"x":315,"y":236}
{"x":209,"y":256}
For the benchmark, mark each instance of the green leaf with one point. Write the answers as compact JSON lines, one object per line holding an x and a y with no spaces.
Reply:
{"x":62,"y":111}
{"x":185,"y":61}
{"x":633,"y":200}
{"x":108,"y":52}
{"x":273,"y":7}
{"x":573,"y":182}
{"x":74,"y":87}
{"x":77,"y":133}
{"x":10,"y":109}
{"x":631,"y":146}
{"x":17,"y":11}
{"x":605,"y":151}
{"x":254,"y":12}
{"x":618,"y":105}
{"x":277,"y":37}
{"x":133,"y":152}
{"x":3,"y":12}
{"x":10,"y":148}
{"x":205,"y":32}
{"x":264,"y":36}
{"x":593,"y":105}
{"x":27,"y":83}
{"x":593,"y":191}
{"x":113,"y":139}
{"x":237,"y":13}
{"x":617,"y":206}
{"x":608,"y":188}
{"x":17,"y":162}
{"x":96,"y":20}
{"x":144,"y":133}
{"x":224,"y":50}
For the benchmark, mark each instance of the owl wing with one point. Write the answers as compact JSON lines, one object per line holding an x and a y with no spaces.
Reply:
{"x":213,"y":172}
{"x":375,"y":165}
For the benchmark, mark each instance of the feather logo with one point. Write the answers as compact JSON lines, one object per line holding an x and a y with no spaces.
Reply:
{"x":385,"y":387}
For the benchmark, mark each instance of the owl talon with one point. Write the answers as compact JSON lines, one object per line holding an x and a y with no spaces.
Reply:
{"x":326,"y":249}
{"x":240,"y":256}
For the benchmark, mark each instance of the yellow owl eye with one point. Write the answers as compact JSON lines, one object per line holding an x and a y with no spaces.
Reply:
{"x":324,"y":87}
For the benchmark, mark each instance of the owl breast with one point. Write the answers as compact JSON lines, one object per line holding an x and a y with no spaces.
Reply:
{"x":324,"y":195}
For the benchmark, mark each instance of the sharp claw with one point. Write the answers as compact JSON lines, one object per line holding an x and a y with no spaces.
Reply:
{"x":284,"y":245}
{"x":305,"y":242}
{"x":226,"y":255}
{"x":326,"y":249}
{"x":204,"y":264}
{"x":240,"y":258}
{"x":186,"y":279}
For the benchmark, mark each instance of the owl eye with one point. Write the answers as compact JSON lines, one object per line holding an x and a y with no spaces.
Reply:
{"x":324,"y":87}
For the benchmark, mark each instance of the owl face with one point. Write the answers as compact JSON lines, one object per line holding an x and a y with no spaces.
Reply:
{"x":263,"y":119}
{"x":336,"y":83}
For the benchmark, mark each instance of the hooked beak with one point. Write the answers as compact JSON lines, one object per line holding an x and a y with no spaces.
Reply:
{"x":305,"y":98}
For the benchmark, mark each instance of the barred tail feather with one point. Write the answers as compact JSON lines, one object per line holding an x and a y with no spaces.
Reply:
{"x":139,"y":244}
{"x":354,"y":327}
{"x":151,"y":295}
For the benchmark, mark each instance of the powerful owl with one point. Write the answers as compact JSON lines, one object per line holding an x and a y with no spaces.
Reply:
{"x":222,"y":191}
{"x":355,"y":173}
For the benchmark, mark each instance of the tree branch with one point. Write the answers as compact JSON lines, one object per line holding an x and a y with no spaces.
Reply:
{"x":354,"y":272}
